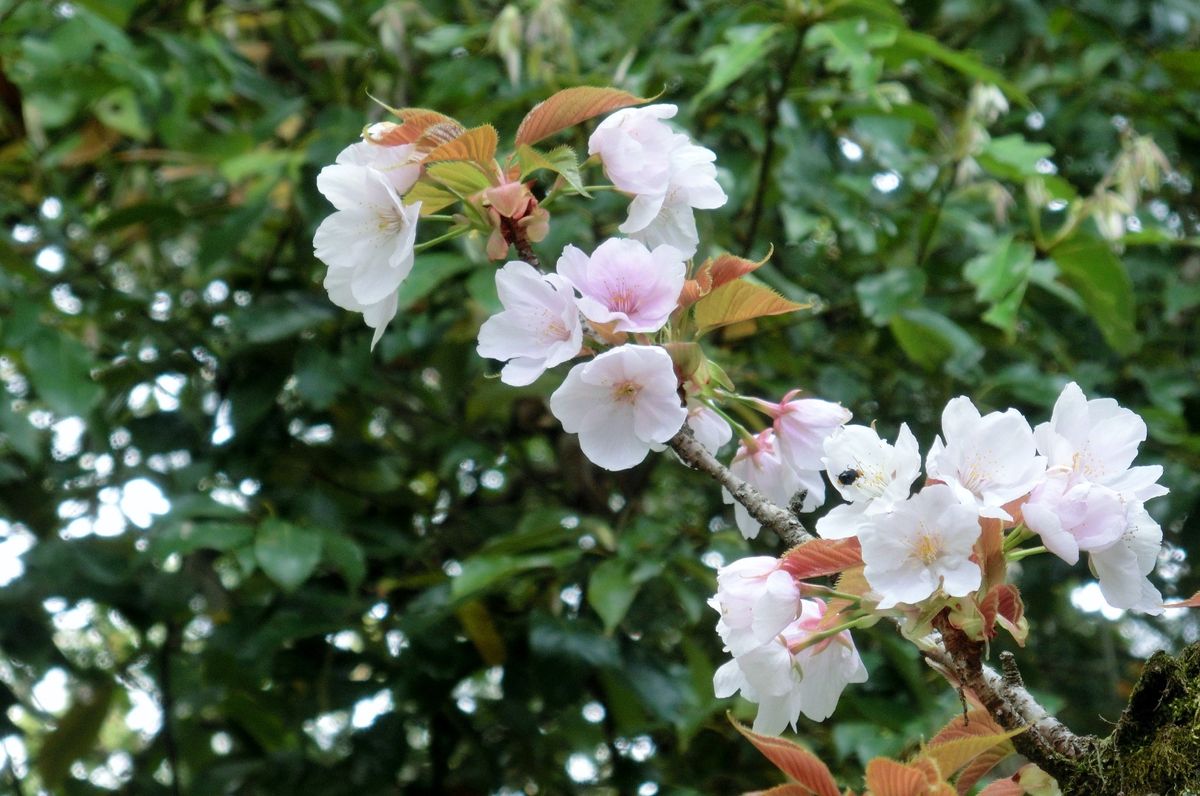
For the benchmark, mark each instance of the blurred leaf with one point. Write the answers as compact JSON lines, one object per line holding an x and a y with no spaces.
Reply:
{"x":287,"y":553}
{"x":1014,"y":158}
{"x":119,"y":109}
{"x":1000,"y":277}
{"x":884,"y":295}
{"x":76,"y":733}
{"x":430,"y":271}
{"x":482,"y":571}
{"x":346,"y":556}
{"x":747,"y":45}
{"x":848,"y":44}
{"x":1091,"y":268}
{"x":60,"y":369}
{"x":965,"y":63}
{"x":611,"y":590}
{"x":478,"y":625}
{"x":931,"y":339}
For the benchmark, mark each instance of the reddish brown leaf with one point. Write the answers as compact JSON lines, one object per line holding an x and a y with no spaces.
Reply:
{"x":818,"y":557}
{"x":989,"y":551}
{"x":1190,"y":602}
{"x":853,"y":581}
{"x":794,"y":760}
{"x":890,"y":778}
{"x":981,"y":765}
{"x":569,"y":107}
{"x":727,"y":267}
{"x":988,"y":607}
{"x":1010,"y":609}
{"x":739,"y":301}
{"x":414,"y":124}
{"x":952,"y":755}
{"x":477,"y":145}
{"x":790,"y":789}
{"x":435,"y":135}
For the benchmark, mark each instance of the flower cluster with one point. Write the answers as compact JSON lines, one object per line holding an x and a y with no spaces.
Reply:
{"x":786,"y":655}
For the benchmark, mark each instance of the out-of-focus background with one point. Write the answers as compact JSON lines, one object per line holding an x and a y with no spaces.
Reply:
{"x":241,"y":554}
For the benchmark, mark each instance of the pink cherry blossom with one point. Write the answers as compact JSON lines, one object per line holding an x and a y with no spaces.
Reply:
{"x":761,"y":465}
{"x":1069,"y":518}
{"x":870,"y":473}
{"x":802,"y":425}
{"x":368,"y":243}
{"x":622,"y":404}
{"x":626,"y":284}
{"x":787,"y":677}
{"x":539,"y":327}
{"x":667,"y":174}
{"x":922,"y":545}
{"x":987,"y":460}
{"x":711,"y":430}
{"x":756,"y":599}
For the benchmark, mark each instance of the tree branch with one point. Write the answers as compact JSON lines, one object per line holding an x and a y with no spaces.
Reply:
{"x":782,"y":522}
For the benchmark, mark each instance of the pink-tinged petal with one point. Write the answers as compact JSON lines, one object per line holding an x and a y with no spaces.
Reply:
{"x":571,"y":403}
{"x":657,"y":418}
{"x":348,"y":187}
{"x":1043,"y":520}
{"x":521,"y":371}
{"x":675,"y":226}
{"x":1139,"y":482}
{"x":612,"y":449}
{"x":711,"y":430}
{"x":728,"y":680}
{"x":644,"y":208}
{"x":776,"y":606}
{"x":573,"y":265}
{"x":773,"y":717}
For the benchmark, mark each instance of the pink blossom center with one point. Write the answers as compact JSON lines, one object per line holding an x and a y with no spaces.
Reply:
{"x":626,"y":392}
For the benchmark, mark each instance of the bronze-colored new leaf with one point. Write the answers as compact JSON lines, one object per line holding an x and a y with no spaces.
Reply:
{"x":792,"y":759}
{"x":818,"y":557}
{"x":477,"y":145}
{"x":570,"y":107}
{"x":740,"y":301}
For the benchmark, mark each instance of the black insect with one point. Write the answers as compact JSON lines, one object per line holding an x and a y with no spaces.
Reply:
{"x":848,"y":476}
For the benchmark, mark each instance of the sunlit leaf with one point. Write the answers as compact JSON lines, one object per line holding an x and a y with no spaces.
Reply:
{"x":740,"y":301}
{"x":818,"y":557}
{"x":477,"y":145}
{"x":792,"y":759}
{"x":570,"y":107}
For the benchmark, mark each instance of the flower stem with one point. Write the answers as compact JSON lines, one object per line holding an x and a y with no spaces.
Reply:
{"x":436,"y":217}
{"x":825,"y":591}
{"x":1017,"y":555}
{"x":821,"y":635}
{"x":451,"y":235}
{"x":1016,"y":536}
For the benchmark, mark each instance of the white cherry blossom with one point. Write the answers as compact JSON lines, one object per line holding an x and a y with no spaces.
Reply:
{"x":871,"y":474}
{"x":667,"y":174}
{"x":539,"y":327}
{"x":762,"y":465}
{"x":397,"y":163}
{"x":922,"y":545}
{"x":622,"y":404}
{"x":1070,"y":518}
{"x":987,"y":460}
{"x":788,"y":679}
{"x":367,"y":244}
{"x":626,"y":284}
{"x":1122,"y":567}
{"x":756,"y":599}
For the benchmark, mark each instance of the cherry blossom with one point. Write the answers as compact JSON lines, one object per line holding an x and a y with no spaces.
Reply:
{"x":787,"y":678}
{"x":802,"y":426}
{"x":622,"y":404}
{"x":987,"y":460}
{"x":756,"y":599}
{"x":1068,"y":518}
{"x":667,"y":174}
{"x":367,"y":244}
{"x":922,"y":545}
{"x":711,"y":430}
{"x":626,"y":284}
{"x":397,"y":163}
{"x":870,"y":473}
{"x":539,"y":327}
{"x":761,"y":464}
{"x":1122,"y":567}
{"x":1096,"y":441}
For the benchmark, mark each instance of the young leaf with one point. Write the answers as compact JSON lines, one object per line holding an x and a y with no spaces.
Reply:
{"x":477,"y":145}
{"x":960,"y":743}
{"x":569,"y":107}
{"x":1010,"y":612}
{"x":890,"y":778}
{"x":1003,"y":787}
{"x":975,"y":770}
{"x":740,"y":301}
{"x":792,"y":759}
{"x":432,"y":197}
{"x":1190,"y":602}
{"x":562,"y":160}
{"x":463,"y":178}
{"x":818,"y":557}
{"x":415,"y":122}
{"x":726,"y":267}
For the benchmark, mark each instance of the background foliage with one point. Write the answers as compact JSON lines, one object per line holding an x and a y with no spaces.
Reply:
{"x":239,"y":547}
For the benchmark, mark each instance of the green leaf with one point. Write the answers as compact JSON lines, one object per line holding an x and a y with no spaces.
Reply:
{"x":561,"y":160}
{"x":430,"y":271}
{"x":20,"y":435}
{"x":1089,"y":266}
{"x":962,"y":62}
{"x":611,"y":591}
{"x":347,"y":557}
{"x":848,"y":44}
{"x":883,"y":295}
{"x":60,"y":369}
{"x":483,"y":571}
{"x":1012,"y":157}
{"x":747,"y":45}
{"x":461,"y":177}
{"x":930,"y":339}
{"x":187,"y":536}
{"x":1000,"y":277}
{"x":287,"y":553}
{"x":119,"y":109}
{"x":76,"y":733}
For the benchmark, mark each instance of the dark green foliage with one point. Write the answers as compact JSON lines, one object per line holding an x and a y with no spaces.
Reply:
{"x":399,"y":527}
